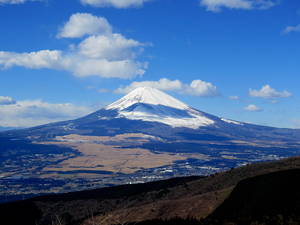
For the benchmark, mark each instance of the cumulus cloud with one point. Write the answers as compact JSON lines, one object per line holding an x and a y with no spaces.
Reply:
{"x":162,"y":84}
{"x":290,"y":29}
{"x":201,"y":88}
{"x":104,"y":54}
{"x":81,"y":24}
{"x":112,"y":47}
{"x":6,"y":100}
{"x":114,"y":3}
{"x":253,"y":108}
{"x":74,"y":62}
{"x":32,"y":60}
{"x":36,"y":112}
{"x":268,"y":92}
{"x":218,"y":5}
{"x":196,"y":87}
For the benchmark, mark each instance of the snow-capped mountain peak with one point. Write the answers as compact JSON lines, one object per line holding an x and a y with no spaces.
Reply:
{"x":150,"y":104}
{"x":147,"y":95}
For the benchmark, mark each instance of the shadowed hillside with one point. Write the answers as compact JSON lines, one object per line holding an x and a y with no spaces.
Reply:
{"x":267,"y":199}
{"x":182,"y":198}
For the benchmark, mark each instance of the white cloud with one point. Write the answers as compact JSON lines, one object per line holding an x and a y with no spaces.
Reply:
{"x":33,"y":60}
{"x":218,"y":5}
{"x":162,"y":84}
{"x":268,"y":92}
{"x":196,"y":87}
{"x":37,"y":112}
{"x":74,"y":62}
{"x":103,"y":90}
{"x":109,"y":55}
{"x":13,"y":1}
{"x":112,"y":47}
{"x":295,"y":123}
{"x":253,"y":108}
{"x":235,"y":98}
{"x":6,"y":100}
{"x":81,"y":24}
{"x":114,"y":3}
{"x":124,"y":69}
{"x":201,"y":88}
{"x":290,"y":29}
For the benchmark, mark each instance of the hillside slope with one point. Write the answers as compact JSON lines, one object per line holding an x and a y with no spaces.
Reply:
{"x":272,"y":198}
{"x":182,"y":197}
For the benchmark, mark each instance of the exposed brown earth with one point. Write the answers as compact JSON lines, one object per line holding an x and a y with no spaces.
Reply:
{"x":96,"y":155}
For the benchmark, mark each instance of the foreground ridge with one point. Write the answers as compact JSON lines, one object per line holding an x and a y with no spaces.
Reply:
{"x":190,"y":197}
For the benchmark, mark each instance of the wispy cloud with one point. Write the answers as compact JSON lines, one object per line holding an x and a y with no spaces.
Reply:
{"x":268,"y":92}
{"x":15,"y":1}
{"x":218,"y":5}
{"x":102,"y":53}
{"x":253,"y":108}
{"x":196,"y":87}
{"x":290,"y":29}
{"x":295,"y":123}
{"x":234,"y":98}
{"x":115,"y":3}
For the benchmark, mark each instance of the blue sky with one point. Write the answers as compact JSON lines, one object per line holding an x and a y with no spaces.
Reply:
{"x":238,"y":59}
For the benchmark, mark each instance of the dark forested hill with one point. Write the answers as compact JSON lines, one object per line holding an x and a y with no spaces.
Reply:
{"x":272,"y":198}
{"x":263,"y":187}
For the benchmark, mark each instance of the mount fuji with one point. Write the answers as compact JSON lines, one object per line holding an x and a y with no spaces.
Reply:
{"x":146,"y":135}
{"x":151,"y":111}
{"x":149,"y":104}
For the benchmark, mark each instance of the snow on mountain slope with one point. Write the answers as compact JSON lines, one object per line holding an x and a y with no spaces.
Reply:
{"x":231,"y":121}
{"x":147,"y":95}
{"x":150,"y":104}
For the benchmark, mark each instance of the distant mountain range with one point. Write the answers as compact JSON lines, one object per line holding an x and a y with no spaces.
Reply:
{"x":146,"y":135}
